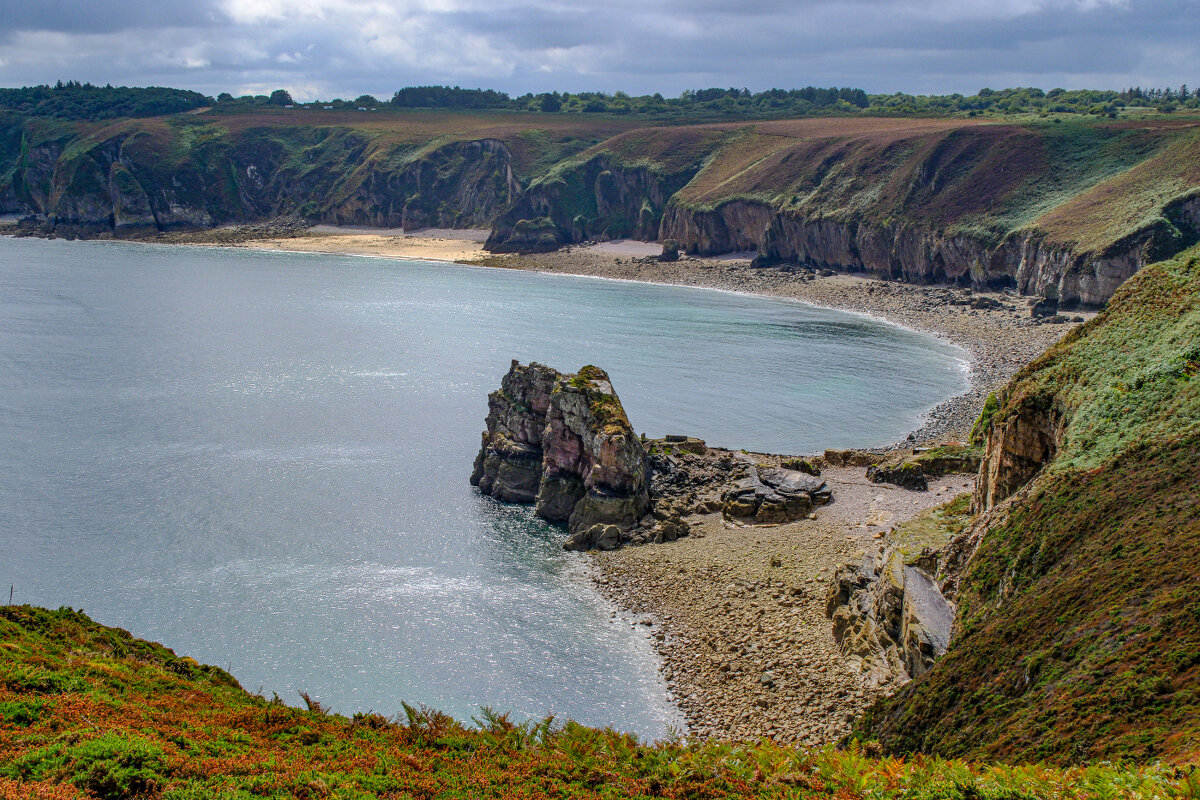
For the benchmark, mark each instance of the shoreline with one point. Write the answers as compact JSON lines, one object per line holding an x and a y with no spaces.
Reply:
{"x":736,"y":615}
{"x":997,"y":338}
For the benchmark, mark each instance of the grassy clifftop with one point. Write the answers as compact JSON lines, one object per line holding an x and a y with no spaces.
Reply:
{"x":90,"y":711}
{"x":1078,"y":623}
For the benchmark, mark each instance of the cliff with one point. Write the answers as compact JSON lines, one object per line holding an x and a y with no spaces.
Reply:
{"x":1061,"y":210}
{"x":140,"y":177}
{"x":563,"y":442}
{"x":618,"y":189}
{"x":1076,"y":633}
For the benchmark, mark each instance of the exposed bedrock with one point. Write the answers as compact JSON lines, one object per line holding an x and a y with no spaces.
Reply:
{"x":1018,"y":445}
{"x":917,"y":254}
{"x":597,"y":199}
{"x":774,"y":495}
{"x":889,"y":616}
{"x":132,"y":184}
{"x":563,"y":442}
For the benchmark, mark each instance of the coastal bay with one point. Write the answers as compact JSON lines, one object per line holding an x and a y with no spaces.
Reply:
{"x":236,"y":450}
{"x":703,"y":599}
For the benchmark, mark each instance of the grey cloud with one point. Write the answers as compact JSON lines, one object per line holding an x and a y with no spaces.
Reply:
{"x":654,"y":45}
{"x":105,"y":17}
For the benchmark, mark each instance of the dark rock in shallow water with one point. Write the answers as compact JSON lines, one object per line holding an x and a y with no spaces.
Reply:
{"x":563,"y":442}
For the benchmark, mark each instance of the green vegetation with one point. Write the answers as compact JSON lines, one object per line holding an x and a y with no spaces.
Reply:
{"x":83,"y":101}
{"x":140,"y":722}
{"x":979,"y":430}
{"x":931,"y":529}
{"x":1078,"y":624}
{"x":742,"y":103}
{"x":73,"y":100}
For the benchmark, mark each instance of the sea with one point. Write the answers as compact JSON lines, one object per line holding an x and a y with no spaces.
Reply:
{"x":261,"y":459}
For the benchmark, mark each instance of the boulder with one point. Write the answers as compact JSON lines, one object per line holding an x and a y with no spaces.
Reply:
{"x":907,"y":474}
{"x":562,"y":442}
{"x":774,"y":495}
{"x":597,"y":537}
{"x":670,"y":250}
{"x":803,"y":465}
{"x":1043,"y":307}
{"x":850,"y":458}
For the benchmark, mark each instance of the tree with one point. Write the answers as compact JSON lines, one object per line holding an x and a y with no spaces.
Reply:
{"x":366,"y":101}
{"x":280,"y":97}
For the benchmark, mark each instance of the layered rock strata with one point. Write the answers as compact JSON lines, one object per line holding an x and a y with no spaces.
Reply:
{"x":774,"y":495}
{"x":563,"y":443}
{"x":889,"y":616}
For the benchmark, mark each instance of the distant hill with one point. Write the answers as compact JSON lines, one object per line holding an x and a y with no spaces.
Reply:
{"x":1067,"y":206}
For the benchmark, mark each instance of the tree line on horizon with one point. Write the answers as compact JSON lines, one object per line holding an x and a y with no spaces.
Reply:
{"x":84,"y":101}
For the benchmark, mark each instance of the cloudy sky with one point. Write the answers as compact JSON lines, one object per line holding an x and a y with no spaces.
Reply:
{"x":343,"y":48}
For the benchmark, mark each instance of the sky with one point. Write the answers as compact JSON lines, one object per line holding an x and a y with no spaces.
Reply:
{"x":321,"y":49}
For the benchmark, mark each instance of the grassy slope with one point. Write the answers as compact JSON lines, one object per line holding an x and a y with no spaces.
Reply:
{"x":1088,"y":184}
{"x":87,"y":710}
{"x":1085,"y":183}
{"x":1079,"y":621}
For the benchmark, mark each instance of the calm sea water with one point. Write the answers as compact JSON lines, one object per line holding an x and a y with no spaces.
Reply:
{"x":261,"y":459}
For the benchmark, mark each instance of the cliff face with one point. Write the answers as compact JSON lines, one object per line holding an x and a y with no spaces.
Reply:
{"x":563,"y":442}
{"x":916,"y":254}
{"x":1066,"y":211}
{"x":460,"y":185}
{"x":1075,"y":634}
{"x":132,"y":178}
{"x":599,"y":198}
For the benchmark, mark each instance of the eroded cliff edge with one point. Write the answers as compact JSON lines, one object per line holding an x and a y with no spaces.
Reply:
{"x":1064,"y":211}
{"x":1076,"y":634}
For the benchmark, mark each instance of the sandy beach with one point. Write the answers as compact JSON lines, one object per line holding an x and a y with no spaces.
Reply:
{"x":738,"y":614}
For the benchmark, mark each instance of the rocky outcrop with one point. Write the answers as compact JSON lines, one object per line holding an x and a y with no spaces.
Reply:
{"x":912,"y":471}
{"x":918,"y":254}
{"x":460,"y":185}
{"x":597,"y":199}
{"x":774,"y":495}
{"x":1019,"y":444}
{"x":888,"y":616}
{"x":563,"y":443}
{"x":134,"y":182}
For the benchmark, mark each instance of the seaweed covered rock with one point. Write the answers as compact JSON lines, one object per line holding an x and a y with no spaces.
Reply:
{"x":563,"y":442}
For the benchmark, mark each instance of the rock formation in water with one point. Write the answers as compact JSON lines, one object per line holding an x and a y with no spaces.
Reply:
{"x":563,"y":443}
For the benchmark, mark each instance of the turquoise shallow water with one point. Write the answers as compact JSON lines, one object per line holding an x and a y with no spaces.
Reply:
{"x":261,"y":459}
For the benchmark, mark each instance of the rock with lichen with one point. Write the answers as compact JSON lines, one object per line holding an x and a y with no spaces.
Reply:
{"x":563,"y":442}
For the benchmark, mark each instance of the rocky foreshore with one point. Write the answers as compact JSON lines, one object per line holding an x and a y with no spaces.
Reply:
{"x":738,"y":611}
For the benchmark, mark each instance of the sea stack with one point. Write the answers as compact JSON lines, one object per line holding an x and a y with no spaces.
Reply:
{"x":563,"y":443}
